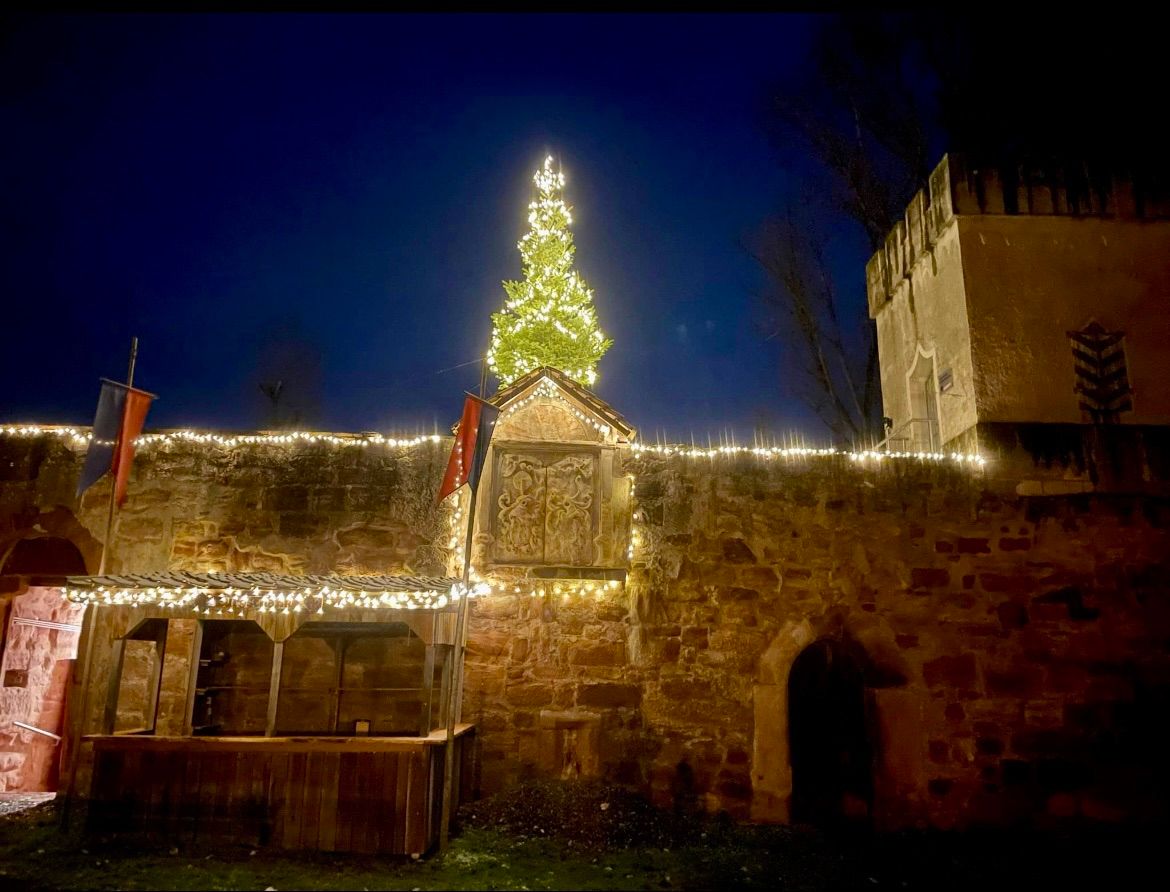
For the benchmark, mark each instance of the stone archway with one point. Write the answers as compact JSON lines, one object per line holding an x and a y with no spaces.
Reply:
{"x":892,"y":713}
{"x":43,"y":555}
{"x":830,"y":744}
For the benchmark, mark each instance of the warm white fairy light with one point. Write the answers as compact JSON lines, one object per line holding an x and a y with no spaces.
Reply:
{"x":548,"y":317}
{"x":773,"y":452}
{"x":240,"y":601}
{"x":560,"y":589}
{"x":81,"y":437}
{"x":548,"y":389}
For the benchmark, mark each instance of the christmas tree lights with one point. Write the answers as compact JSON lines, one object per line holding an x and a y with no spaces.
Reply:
{"x":548,"y":318}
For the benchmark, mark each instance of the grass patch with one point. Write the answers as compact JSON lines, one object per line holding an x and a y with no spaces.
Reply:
{"x":591,"y":836}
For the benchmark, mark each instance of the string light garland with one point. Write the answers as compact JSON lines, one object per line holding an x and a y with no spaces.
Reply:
{"x":550,"y":390}
{"x":220,"y":597}
{"x":774,"y":452}
{"x":548,"y":318}
{"x":80,"y":437}
{"x":565,"y":589}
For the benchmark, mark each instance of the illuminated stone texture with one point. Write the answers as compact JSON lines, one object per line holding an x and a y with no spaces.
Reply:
{"x":1006,"y":637}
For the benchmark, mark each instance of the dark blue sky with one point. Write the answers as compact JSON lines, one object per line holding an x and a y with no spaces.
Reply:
{"x":335,"y":200}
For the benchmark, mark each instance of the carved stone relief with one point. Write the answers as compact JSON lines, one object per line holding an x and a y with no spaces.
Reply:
{"x":568,"y":516}
{"x":521,"y":505}
{"x":546,"y":508}
{"x":545,"y":420}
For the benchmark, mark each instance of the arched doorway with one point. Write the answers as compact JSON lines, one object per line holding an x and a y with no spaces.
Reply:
{"x":830,"y":746}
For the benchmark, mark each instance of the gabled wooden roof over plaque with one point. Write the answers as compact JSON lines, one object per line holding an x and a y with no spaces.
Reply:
{"x":588,"y":401}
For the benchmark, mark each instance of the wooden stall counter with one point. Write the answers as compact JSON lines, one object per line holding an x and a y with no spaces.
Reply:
{"x":348,"y":794}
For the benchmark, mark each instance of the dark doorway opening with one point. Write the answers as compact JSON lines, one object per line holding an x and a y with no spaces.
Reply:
{"x":828,"y":737}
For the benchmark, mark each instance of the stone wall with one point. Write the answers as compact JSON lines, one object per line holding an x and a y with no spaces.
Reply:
{"x":1014,"y":647}
{"x":296,"y":508}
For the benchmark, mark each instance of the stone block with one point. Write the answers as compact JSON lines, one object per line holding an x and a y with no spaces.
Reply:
{"x":952,"y":671}
{"x":736,"y":551}
{"x":974,"y":545}
{"x":1014,"y":544}
{"x":940,"y":786}
{"x":929,"y":577}
{"x":609,"y":695}
{"x":535,"y":694}
{"x":1015,"y":584}
{"x":605,"y":653}
{"x":1012,"y":615}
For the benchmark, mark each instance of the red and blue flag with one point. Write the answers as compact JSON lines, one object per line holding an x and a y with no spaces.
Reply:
{"x":471,"y":445}
{"x":121,"y":412}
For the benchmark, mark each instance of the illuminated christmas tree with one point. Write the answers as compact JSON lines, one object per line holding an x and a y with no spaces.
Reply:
{"x":548,"y":318}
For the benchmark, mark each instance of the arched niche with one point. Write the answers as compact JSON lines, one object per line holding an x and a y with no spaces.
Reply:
{"x":43,"y":556}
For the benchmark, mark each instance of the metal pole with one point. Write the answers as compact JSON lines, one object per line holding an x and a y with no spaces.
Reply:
{"x":89,"y":624}
{"x":110,"y":509}
{"x":456,"y":681}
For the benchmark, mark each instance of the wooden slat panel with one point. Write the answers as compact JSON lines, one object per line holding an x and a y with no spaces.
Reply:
{"x":277,"y":798}
{"x":314,"y":781}
{"x":173,"y":770}
{"x":226,"y":797}
{"x":346,"y":781}
{"x":294,"y":800}
{"x":386,"y":780}
{"x":401,"y":804}
{"x":209,"y":779}
{"x":130,"y":810}
{"x":365,"y":767}
{"x":327,"y":838}
{"x":378,"y":800}
{"x":416,"y":835}
{"x":257,"y":809}
{"x":154,"y":815}
{"x":189,"y":804}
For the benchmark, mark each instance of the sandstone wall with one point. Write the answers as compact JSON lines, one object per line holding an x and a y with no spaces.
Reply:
{"x":1015,"y":647}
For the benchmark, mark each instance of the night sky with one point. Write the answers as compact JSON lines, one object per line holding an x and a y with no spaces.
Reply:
{"x":334,"y":201}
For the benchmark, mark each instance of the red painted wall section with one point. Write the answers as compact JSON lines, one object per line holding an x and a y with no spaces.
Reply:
{"x":34,"y":673}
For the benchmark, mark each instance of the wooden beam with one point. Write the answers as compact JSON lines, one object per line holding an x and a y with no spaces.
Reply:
{"x":193,"y":677}
{"x":274,"y":688}
{"x":428,"y":690}
{"x":160,"y":653}
{"x":274,"y":744}
{"x":113,"y":685}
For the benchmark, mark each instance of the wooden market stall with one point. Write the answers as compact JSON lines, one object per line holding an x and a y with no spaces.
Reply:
{"x":313,"y":710}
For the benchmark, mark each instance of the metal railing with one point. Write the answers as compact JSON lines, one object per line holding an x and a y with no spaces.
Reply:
{"x":915,"y":435}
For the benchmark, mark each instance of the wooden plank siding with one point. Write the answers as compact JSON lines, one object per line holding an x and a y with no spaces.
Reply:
{"x":376,"y":795}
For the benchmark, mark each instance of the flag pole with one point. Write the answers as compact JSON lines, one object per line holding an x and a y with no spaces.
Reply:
{"x":113,"y":487}
{"x":454,"y":690}
{"x":456,"y":679}
{"x":88,"y":622}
